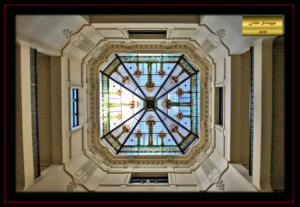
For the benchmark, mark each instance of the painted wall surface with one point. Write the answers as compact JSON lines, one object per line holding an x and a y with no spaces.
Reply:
{"x":24,"y":149}
{"x":240,"y":79}
{"x":44,"y":110}
{"x":278,"y":137}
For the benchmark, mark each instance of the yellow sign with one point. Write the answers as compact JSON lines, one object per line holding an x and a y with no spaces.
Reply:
{"x":262,"y":25}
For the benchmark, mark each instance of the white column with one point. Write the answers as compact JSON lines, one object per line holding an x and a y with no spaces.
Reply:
{"x":65,"y":116}
{"x":262,"y":134}
{"x":227,"y":106}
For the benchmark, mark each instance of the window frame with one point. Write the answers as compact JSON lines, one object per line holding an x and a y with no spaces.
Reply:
{"x":221,"y":106}
{"x":74,"y":113}
{"x":146,"y":180}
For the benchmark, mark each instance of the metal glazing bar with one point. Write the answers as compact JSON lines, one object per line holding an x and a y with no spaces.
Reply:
{"x":177,"y":85}
{"x":77,"y":107}
{"x":111,"y":145}
{"x":131,"y":76}
{"x":131,"y":132}
{"x":188,"y":62}
{"x":123,"y":86}
{"x":182,"y":151}
{"x":168,"y":76}
{"x":177,"y":122}
{"x":122,"y":123}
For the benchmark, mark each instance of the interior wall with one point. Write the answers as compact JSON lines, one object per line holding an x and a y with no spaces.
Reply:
{"x":56,"y":119}
{"x":223,"y":79}
{"x":49,"y":108}
{"x":24,"y":149}
{"x":75,"y":79}
{"x":44,"y":110}
{"x":233,"y":181}
{"x":262,"y":123}
{"x":55,"y":179}
{"x":245,"y":124}
{"x":240,"y":79}
{"x":278,"y":133}
{"x":19,"y":141}
{"x":236,"y":99}
{"x":71,"y":77}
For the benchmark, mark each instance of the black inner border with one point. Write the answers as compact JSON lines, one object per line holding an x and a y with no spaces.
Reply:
{"x":11,"y":11}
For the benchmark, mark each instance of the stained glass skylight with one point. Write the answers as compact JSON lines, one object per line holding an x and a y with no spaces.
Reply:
{"x":149,"y":104}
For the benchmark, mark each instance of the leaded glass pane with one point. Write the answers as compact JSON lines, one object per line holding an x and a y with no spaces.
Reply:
{"x":74,"y":107}
{"x":149,"y":104}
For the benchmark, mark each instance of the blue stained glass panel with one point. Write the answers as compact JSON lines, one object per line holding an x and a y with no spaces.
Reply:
{"x":74,"y":107}
{"x":149,"y":104}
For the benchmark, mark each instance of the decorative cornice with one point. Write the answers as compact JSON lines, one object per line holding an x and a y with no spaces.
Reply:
{"x":99,"y":57}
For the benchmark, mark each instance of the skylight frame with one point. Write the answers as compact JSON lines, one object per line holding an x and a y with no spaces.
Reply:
{"x":144,"y":97}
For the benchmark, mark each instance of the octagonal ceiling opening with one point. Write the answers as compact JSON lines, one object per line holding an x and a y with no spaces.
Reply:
{"x":149,"y":104}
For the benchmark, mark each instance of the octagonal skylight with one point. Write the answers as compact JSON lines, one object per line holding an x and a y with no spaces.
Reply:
{"x":149,"y":104}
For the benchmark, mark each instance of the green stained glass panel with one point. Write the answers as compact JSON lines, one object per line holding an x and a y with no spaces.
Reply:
{"x":149,"y":104}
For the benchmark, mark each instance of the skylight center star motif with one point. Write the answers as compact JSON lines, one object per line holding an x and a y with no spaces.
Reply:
{"x":149,"y":104}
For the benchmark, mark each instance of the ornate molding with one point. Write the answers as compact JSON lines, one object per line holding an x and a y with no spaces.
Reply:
{"x":67,"y":33}
{"x":220,"y":185}
{"x":221,"y":33}
{"x":99,"y":57}
{"x":71,"y":186}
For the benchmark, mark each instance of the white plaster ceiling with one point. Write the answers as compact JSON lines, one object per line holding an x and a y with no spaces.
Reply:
{"x":46,"y":31}
{"x":232,"y":24}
